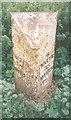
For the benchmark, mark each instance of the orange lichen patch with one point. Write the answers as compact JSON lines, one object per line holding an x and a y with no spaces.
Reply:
{"x":33,"y":36}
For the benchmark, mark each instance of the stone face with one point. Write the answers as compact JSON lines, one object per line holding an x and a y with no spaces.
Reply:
{"x":33,"y":36}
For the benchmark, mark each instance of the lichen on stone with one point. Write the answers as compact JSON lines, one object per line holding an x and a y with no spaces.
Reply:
{"x":33,"y":37}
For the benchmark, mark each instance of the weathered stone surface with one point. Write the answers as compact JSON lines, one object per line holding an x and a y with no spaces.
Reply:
{"x":33,"y":36}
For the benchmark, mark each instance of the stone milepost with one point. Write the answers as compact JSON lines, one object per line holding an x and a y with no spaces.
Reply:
{"x":33,"y":38}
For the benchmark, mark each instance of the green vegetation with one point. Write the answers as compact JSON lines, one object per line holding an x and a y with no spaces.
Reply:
{"x":13,"y":102}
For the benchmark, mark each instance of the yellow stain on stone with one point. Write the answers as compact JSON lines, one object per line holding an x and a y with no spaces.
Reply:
{"x":33,"y":36}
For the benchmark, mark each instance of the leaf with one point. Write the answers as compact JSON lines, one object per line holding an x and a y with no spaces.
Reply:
{"x":11,"y":115}
{"x":64,"y":100}
{"x":57,"y":71}
{"x":1,"y":86}
{"x":66,"y":69}
{"x":66,"y":93}
{"x":5,"y":104}
{"x":66,"y":87}
{"x":67,"y":104}
{"x":39,"y":107}
{"x":53,"y":113}
{"x":20,"y":115}
{"x":65,"y":111}
{"x":9,"y":92}
{"x":47,"y":111}
{"x":15,"y":95}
